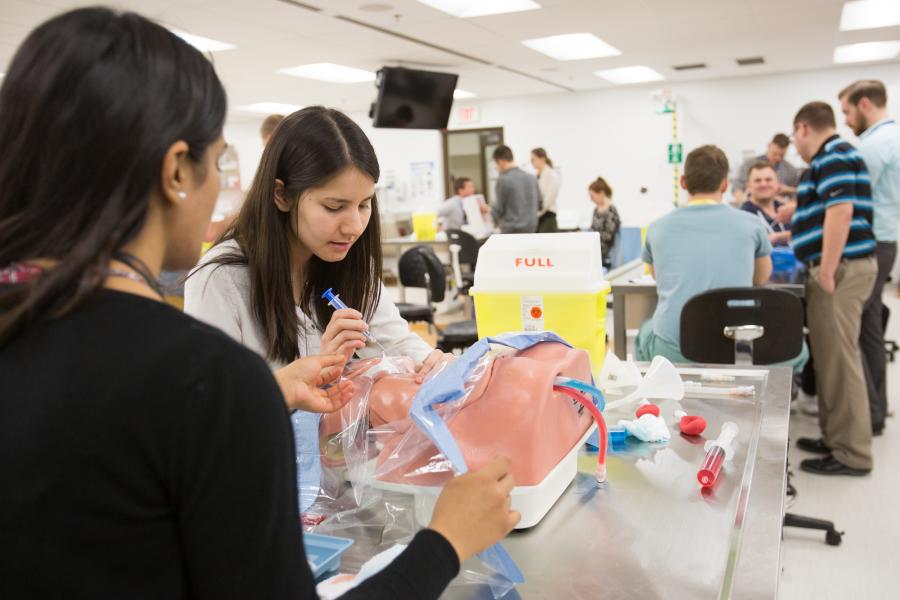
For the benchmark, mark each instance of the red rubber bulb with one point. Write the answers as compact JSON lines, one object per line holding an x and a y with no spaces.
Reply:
{"x":647,"y":408}
{"x":692,"y":425}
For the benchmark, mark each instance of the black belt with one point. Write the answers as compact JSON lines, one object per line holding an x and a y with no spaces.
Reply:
{"x":817,"y":261}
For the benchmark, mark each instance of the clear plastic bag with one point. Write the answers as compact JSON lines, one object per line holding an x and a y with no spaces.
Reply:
{"x":386,"y":455}
{"x":350,"y":503}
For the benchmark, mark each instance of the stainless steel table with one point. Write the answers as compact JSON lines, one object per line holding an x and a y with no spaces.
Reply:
{"x":634,"y":299}
{"x":649,"y":532}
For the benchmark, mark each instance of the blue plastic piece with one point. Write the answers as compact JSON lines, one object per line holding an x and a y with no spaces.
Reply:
{"x":324,"y":552}
{"x":575,"y":384}
{"x":309,"y":464}
{"x":333,"y":299}
{"x":784,"y":260}
{"x":617,"y":435}
{"x":599,"y":401}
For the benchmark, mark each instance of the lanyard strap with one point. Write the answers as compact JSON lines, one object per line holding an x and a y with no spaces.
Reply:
{"x":139,"y":267}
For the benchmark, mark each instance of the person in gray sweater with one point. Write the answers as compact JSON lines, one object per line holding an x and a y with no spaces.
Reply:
{"x":518,"y":197}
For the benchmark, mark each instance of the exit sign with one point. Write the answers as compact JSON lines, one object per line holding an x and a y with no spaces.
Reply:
{"x":468,"y":114}
{"x":674,"y":154}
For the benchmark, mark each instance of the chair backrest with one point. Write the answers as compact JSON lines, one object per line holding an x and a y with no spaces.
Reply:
{"x":706,"y":317}
{"x":468,"y":246}
{"x":632,"y":245}
{"x":616,"y":252}
{"x":420,"y":267}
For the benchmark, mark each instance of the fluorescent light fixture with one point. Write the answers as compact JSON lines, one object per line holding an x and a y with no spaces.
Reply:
{"x":870,"y":14}
{"x":479,"y":8}
{"x":462,"y":94}
{"x":201,"y":43}
{"x":271,"y":108}
{"x":638,"y":74}
{"x":572,"y":46}
{"x":330,"y":72}
{"x":866,"y":51}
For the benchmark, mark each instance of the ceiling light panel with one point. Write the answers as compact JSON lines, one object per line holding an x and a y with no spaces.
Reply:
{"x":625,"y":75}
{"x":866,"y":51}
{"x":462,"y":94}
{"x":201,"y":43}
{"x":270,"y":108}
{"x":479,"y":8}
{"x":572,"y":46}
{"x":870,"y":14}
{"x":330,"y":72}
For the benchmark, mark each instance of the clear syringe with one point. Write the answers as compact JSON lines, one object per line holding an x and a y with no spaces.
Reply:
{"x":336,"y":303}
{"x":717,"y":452}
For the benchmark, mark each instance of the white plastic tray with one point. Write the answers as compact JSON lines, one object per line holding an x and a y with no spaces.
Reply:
{"x":532,"y":501}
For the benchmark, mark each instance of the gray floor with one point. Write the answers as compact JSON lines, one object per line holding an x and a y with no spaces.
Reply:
{"x":866,"y":566}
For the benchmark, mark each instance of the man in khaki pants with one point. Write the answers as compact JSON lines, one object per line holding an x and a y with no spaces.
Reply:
{"x":832,"y":233}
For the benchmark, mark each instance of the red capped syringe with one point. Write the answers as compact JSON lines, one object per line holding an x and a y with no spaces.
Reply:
{"x":717,"y":452}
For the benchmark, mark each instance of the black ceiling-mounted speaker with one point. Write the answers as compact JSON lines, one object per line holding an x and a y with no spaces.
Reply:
{"x":412,"y":99}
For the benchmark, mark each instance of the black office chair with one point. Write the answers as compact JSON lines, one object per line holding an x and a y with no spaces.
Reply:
{"x":414,"y":272}
{"x":420,"y":267}
{"x":463,"y":253}
{"x":747,"y":326}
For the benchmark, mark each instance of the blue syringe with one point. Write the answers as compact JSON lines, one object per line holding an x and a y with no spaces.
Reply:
{"x":336,"y":303}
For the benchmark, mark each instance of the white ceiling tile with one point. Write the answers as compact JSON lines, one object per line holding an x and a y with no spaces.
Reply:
{"x":272,"y":34}
{"x":458,"y":34}
{"x":27,"y":14}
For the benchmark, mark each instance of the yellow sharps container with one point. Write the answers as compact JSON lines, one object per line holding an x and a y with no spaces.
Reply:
{"x":544,"y":281}
{"x":423,"y":226}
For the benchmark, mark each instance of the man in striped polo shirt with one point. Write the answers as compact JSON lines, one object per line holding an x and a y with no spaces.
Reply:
{"x":832,"y":234}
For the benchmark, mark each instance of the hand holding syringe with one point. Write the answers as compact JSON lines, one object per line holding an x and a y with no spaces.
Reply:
{"x":336,"y":303}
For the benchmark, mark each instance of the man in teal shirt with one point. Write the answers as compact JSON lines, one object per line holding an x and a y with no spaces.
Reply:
{"x":864,"y":104}
{"x":699,"y":247}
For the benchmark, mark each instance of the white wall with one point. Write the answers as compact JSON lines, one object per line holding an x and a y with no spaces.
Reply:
{"x":245,"y":137}
{"x":615,"y":133}
{"x":396,"y":149}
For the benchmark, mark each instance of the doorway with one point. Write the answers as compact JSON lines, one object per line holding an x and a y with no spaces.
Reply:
{"x":467,"y":153}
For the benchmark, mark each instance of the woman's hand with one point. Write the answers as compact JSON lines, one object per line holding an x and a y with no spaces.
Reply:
{"x":432,"y":361}
{"x":301,"y":383}
{"x":474,"y":510}
{"x":344,"y":333}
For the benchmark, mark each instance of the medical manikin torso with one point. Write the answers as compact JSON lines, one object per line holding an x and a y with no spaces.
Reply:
{"x":510,"y":408}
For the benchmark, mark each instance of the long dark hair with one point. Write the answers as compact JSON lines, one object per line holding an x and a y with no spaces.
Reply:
{"x":92,"y":101}
{"x":307,"y":149}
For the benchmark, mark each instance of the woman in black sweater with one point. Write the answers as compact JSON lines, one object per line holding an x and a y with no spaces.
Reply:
{"x":142,"y":453}
{"x":605,"y":219}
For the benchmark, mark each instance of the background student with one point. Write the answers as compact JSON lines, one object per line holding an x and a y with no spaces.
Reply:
{"x":548,"y":182}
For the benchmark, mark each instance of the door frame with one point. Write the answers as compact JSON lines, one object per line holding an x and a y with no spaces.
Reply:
{"x":448,"y":185}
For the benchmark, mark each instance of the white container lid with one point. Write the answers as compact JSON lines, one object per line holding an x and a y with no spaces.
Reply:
{"x":540,"y":263}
